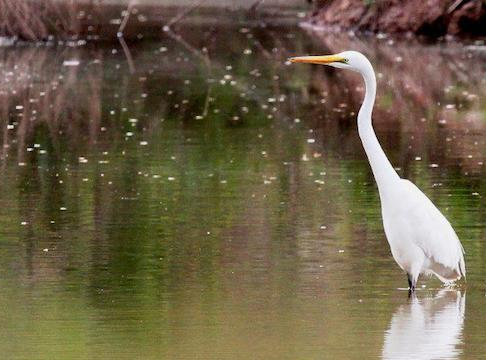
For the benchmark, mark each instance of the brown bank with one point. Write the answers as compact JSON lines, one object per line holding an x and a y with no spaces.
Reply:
{"x":432,"y":18}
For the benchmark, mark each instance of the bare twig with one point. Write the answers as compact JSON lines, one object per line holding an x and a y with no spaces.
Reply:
{"x":183,"y":14}
{"x":124,"y":22}
{"x":128,"y":54}
{"x":253,"y":8}
{"x":203,"y":56}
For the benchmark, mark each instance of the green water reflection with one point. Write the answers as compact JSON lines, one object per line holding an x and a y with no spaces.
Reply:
{"x":214,"y":202}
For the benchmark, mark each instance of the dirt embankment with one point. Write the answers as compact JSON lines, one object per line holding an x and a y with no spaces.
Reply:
{"x":433,"y":18}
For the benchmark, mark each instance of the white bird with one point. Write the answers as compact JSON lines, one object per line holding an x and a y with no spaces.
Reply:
{"x":421,"y":239}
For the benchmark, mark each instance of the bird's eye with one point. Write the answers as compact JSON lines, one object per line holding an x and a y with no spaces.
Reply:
{"x":345,"y":61}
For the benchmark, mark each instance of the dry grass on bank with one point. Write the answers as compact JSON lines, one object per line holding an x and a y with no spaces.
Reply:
{"x":37,"y":20}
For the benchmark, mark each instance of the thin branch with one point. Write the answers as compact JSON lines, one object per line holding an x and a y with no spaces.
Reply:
{"x":128,"y":54}
{"x":124,"y":22}
{"x":183,"y":14}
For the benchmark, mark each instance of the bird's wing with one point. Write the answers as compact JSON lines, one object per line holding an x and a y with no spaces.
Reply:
{"x":432,"y":232}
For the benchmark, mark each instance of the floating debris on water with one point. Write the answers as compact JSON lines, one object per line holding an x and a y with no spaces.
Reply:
{"x":73,"y":62}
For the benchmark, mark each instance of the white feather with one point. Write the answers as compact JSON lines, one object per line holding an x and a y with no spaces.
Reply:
{"x":420,"y":237}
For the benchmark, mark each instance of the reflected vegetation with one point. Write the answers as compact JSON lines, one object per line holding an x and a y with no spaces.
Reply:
{"x":198,"y":197}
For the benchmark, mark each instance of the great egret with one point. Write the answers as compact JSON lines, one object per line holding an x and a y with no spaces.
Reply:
{"x":421,"y":239}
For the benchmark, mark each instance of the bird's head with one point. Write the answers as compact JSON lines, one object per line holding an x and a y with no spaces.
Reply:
{"x":351,"y":60}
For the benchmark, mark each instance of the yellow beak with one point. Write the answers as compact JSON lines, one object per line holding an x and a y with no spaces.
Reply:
{"x":327,"y":59}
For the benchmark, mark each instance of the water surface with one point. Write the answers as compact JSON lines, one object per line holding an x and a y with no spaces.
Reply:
{"x":198,"y":197}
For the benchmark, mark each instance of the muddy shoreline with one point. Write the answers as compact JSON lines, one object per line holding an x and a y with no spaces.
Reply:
{"x":431,"y":18}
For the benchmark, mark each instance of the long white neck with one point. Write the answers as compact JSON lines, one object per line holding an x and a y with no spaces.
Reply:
{"x":385,"y":174}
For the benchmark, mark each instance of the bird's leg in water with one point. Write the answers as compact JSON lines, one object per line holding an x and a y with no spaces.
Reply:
{"x":411,"y":283}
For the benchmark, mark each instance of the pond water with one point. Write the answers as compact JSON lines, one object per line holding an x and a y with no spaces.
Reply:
{"x":196,"y":196}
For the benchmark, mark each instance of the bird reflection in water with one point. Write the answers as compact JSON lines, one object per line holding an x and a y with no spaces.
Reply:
{"x":427,"y":328}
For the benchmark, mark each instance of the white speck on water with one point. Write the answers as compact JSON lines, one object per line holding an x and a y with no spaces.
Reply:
{"x":434,"y":165}
{"x":247,"y":51}
{"x":223,"y":181}
{"x":22,"y":164}
{"x":323,"y":227}
{"x":129,"y":133}
{"x":62,"y":208}
{"x":143,"y":143}
{"x":305,"y":157}
{"x":82,"y":160}
{"x":475,"y":194}
{"x":340,"y":251}
{"x":19,"y":107}
{"x":73,"y":62}
{"x":10,"y":126}
{"x":418,"y":158}
{"x":311,"y":141}
{"x":171,"y":178}
{"x":45,"y":249}
{"x":24,"y":223}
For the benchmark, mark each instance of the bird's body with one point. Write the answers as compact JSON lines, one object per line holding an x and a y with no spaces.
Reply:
{"x":421,"y":239}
